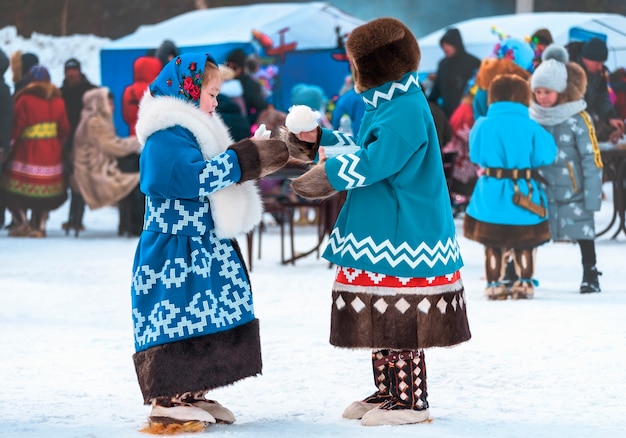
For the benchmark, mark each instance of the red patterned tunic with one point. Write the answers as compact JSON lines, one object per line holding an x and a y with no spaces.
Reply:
{"x":33,"y":177}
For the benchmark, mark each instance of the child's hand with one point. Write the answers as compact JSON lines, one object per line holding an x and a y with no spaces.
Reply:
{"x":308,"y":136}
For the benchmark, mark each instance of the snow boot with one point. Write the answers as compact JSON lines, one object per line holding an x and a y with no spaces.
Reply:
{"x":495,"y":289}
{"x":590,"y":283}
{"x":221,"y":414}
{"x":380,"y":365}
{"x":407,"y":386}
{"x":510,"y":276}
{"x":524,"y":287}
{"x":170,"y":416}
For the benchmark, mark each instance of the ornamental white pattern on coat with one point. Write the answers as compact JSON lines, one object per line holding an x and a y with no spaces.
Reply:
{"x":156,"y":212}
{"x":442,"y":252}
{"x":412,"y":80}
{"x":218,"y":173}
{"x":217,"y":308}
{"x":348,"y":173}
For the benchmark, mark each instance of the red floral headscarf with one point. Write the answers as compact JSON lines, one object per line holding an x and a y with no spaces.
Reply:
{"x":182,"y":77}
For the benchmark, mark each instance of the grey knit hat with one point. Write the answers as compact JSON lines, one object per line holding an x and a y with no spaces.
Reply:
{"x":551,"y":73}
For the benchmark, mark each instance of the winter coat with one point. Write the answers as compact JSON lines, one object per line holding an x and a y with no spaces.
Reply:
{"x":145,"y":69}
{"x":597,"y":94}
{"x":252,"y":96}
{"x":6,"y":109}
{"x":350,"y":104}
{"x":192,"y":307}
{"x":33,"y":177}
{"x":73,"y":98}
{"x":507,"y":138}
{"x":395,"y":177}
{"x":453,"y":73}
{"x":574,"y":180}
{"x":96,"y":149}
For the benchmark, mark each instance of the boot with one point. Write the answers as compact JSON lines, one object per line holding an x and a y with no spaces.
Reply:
{"x":407,"y":386}
{"x":524,"y":287}
{"x":170,"y":416}
{"x":220,"y":413}
{"x":590,"y":283}
{"x":495,"y":289}
{"x":20,"y":226}
{"x":381,"y":379}
{"x":38,"y":223}
{"x":510,"y":276}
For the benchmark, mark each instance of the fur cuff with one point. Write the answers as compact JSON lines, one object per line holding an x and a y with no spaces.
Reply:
{"x":299,"y":150}
{"x":249,"y":159}
{"x":314,"y":184}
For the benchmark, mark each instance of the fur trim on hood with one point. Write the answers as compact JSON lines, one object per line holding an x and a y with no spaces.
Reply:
{"x":45,"y":90}
{"x":235,"y":209}
{"x":381,"y":51}
{"x":509,"y":88}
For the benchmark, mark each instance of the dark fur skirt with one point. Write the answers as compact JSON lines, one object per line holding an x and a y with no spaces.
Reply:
{"x":383,"y":312}
{"x":199,"y":364}
{"x":507,"y":236}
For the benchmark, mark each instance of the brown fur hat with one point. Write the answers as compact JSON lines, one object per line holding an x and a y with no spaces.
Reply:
{"x":492,"y":67}
{"x":576,"y":83}
{"x":380,"y":51}
{"x":509,"y":88}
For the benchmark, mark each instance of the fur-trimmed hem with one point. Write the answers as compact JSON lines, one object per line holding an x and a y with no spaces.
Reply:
{"x":507,"y":236}
{"x":199,"y":364}
{"x":400,"y":321}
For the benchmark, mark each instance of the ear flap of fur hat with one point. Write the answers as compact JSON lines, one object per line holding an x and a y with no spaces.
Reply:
{"x":509,"y":88}
{"x":381,"y":50}
{"x":576,"y":83}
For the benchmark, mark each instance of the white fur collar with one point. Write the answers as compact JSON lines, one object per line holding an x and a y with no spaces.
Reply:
{"x":235,"y":209}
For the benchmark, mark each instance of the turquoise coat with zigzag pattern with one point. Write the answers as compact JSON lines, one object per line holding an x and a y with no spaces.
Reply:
{"x":397,"y":219}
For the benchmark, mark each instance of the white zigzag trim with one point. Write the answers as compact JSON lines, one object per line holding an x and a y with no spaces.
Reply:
{"x":347,"y":171}
{"x":412,"y":80}
{"x":385,"y":251}
{"x":343,"y":139}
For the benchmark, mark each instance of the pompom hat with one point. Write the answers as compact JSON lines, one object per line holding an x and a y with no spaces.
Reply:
{"x":551,"y":73}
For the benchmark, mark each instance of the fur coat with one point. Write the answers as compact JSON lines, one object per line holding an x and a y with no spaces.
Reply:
{"x":96,"y":149}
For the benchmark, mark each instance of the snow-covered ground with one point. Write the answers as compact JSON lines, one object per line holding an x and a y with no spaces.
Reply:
{"x":550,"y":367}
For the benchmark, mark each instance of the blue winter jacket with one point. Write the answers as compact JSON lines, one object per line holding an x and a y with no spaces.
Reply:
{"x":397,"y":218}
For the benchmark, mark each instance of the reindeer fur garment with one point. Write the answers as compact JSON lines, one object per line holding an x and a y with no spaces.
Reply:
{"x":235,"y":209}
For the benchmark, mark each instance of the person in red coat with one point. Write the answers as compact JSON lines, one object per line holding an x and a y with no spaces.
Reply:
{"x":145,"y":69}
{"x":33,"y":178}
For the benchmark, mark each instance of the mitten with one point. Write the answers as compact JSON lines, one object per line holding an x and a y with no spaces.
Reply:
{"x":314,"y":184}
{"x":300,"y":119}
{"x":258,"y":158}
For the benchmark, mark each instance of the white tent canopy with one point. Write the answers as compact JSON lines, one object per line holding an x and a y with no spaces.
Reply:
{"x":479,"y":39}
{"x":312,"y":25}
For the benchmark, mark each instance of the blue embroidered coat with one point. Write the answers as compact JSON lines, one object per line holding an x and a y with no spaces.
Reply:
{"x":397,"y":218}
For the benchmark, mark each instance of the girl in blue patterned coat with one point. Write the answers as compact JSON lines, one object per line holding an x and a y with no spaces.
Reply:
{"x":508,"y":208}
{"x":574,"y":180}
{"x":194,"y":323}
{"x":397,"y":288}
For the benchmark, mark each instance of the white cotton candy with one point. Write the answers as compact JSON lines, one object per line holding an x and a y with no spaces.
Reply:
{"x":301,"y":118}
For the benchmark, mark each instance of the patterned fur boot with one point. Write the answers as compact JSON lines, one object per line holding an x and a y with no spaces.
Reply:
{"x":524,"y":288}
{"x":407,"y":386}
{"x":495,"y":289}
{"x":380,"y":365}
{"x":221,"y":414}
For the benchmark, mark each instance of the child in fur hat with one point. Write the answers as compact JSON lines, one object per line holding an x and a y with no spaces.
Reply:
{"x":507,"y":208}
{"x":193,"y":314}
{"x":574,"y":180}
{"x":398,"y":288}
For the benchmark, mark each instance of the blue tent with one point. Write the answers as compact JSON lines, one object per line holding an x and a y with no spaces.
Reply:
{"x":304,"y":41}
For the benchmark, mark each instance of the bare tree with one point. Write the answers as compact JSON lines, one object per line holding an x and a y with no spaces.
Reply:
{"x":200,"y":4}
